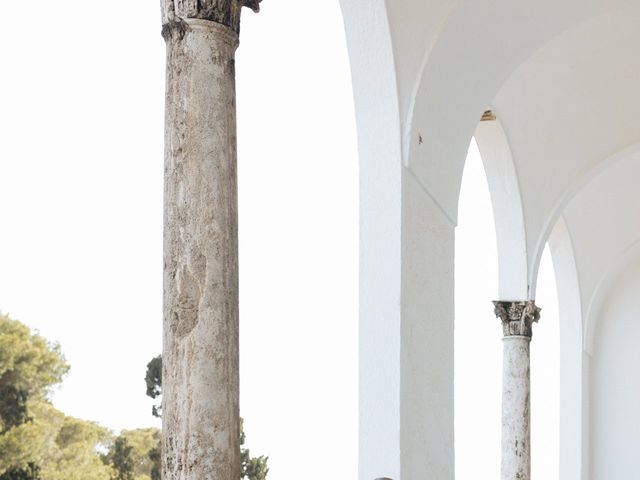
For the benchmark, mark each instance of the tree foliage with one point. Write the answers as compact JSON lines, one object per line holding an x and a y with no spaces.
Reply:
{"x":13,"y":406}
{"x":29,"y":442}
{"x":36,"y":440}
{"x":252,"y":468}
{"x":121,"y":458}
{"x":144,"y":443}
{"x":29,"y":367}
{"x":156,"y":462}
{"x":30,"y":472}
{"x":75,"y":454}
{"x":65,"y":448}
{"x":153,"y":380}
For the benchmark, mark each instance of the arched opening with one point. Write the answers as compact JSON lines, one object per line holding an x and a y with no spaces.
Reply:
{"x":552,"y":87}
{"x":545,"y":376}
{"x":478,"y":352}
{"x":298,"y":232}
{"x":478,"y":349}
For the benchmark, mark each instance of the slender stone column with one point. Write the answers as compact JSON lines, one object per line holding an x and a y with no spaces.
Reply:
{"x":517,"y":319}
{"x":200,"y":358}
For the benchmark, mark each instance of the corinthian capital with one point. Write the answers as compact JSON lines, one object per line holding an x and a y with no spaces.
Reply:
{"x":517,"y":317}
{"x":224,"y":12}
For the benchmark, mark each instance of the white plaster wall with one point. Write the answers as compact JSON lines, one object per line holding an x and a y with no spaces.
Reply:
{"x":615,"y":383}
{"x":427,"y":448}
{"x":375,"y":98}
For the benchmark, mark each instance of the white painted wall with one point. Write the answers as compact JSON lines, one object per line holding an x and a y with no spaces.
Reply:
{"x":426,"y":434}
{"x":375,"y":98}
{"x":615,"y":392}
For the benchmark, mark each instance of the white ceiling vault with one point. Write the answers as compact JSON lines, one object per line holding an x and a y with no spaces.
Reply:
{"x":569,"y":110}
{"x":563,"y":80}
{"x":570,"y":113}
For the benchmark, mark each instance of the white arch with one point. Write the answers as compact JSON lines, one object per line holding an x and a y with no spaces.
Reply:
{"x":378,"y":126}
{"x":569,"y":194}
{"x":573,"y":362}
{"x":603,"y":287}
{"x":507,"y":210}
{"x":444,"y":106}
{"x":406,"y":241}
{"x":442,"y":112}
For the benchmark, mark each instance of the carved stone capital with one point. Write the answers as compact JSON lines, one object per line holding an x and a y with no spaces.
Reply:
{"x":224,"y":12}
{"x":517,"y":317}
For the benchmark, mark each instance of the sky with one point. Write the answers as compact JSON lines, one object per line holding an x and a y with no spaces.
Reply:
{"x":81,"y":172}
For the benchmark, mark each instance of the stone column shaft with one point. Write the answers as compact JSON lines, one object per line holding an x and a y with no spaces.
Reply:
{"x":517,"y":319}
{"x":516,"y":428}
{"x":200,"y":355}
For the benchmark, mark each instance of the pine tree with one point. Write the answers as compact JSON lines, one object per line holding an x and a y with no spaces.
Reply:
{"x":121,"y":458}
{"x":30,"y":472}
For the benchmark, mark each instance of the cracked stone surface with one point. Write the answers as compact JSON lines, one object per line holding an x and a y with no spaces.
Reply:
{"x":516,"y":417}
{"x":200,"y":360}
{"x":517,"y":318}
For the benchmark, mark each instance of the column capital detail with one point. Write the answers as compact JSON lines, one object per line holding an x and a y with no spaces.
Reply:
{"x":517,"y":316}
{"x":224,"y":12}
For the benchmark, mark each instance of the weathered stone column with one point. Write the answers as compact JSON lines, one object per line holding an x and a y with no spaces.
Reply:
{"x":517,"y":319}
{"x":200,"y":358}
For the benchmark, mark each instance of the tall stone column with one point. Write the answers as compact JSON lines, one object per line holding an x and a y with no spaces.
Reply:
{"x":200,"y":356}
{"x":517,"y":320}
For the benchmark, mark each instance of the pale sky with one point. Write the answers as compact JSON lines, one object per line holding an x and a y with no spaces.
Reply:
{"x":81,"y":125}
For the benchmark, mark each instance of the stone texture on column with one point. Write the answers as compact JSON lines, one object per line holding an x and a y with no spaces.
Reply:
{"x":517,"y":320}
{"x":223,"y":12}
{"x":200,"y":357}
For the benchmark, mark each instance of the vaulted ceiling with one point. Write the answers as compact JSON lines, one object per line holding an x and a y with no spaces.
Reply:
{"x":562,"y":79}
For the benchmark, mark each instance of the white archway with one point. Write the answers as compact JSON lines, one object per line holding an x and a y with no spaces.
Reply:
{"x":423,"y":74}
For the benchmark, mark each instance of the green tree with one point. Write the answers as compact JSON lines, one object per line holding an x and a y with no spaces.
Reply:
{"x":36,"y":440}
{"x":13,"y":406}
{"x":156,"y":462}
{"x":74,"y":453}
{"x":30,"y":472}
{"x":153,"y":380}
{"x":252,"y":468}
{"x":30,"y":442}
{"x":121,"y":458}
{"x":144,"y":444}
{"x":29,"y":367}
